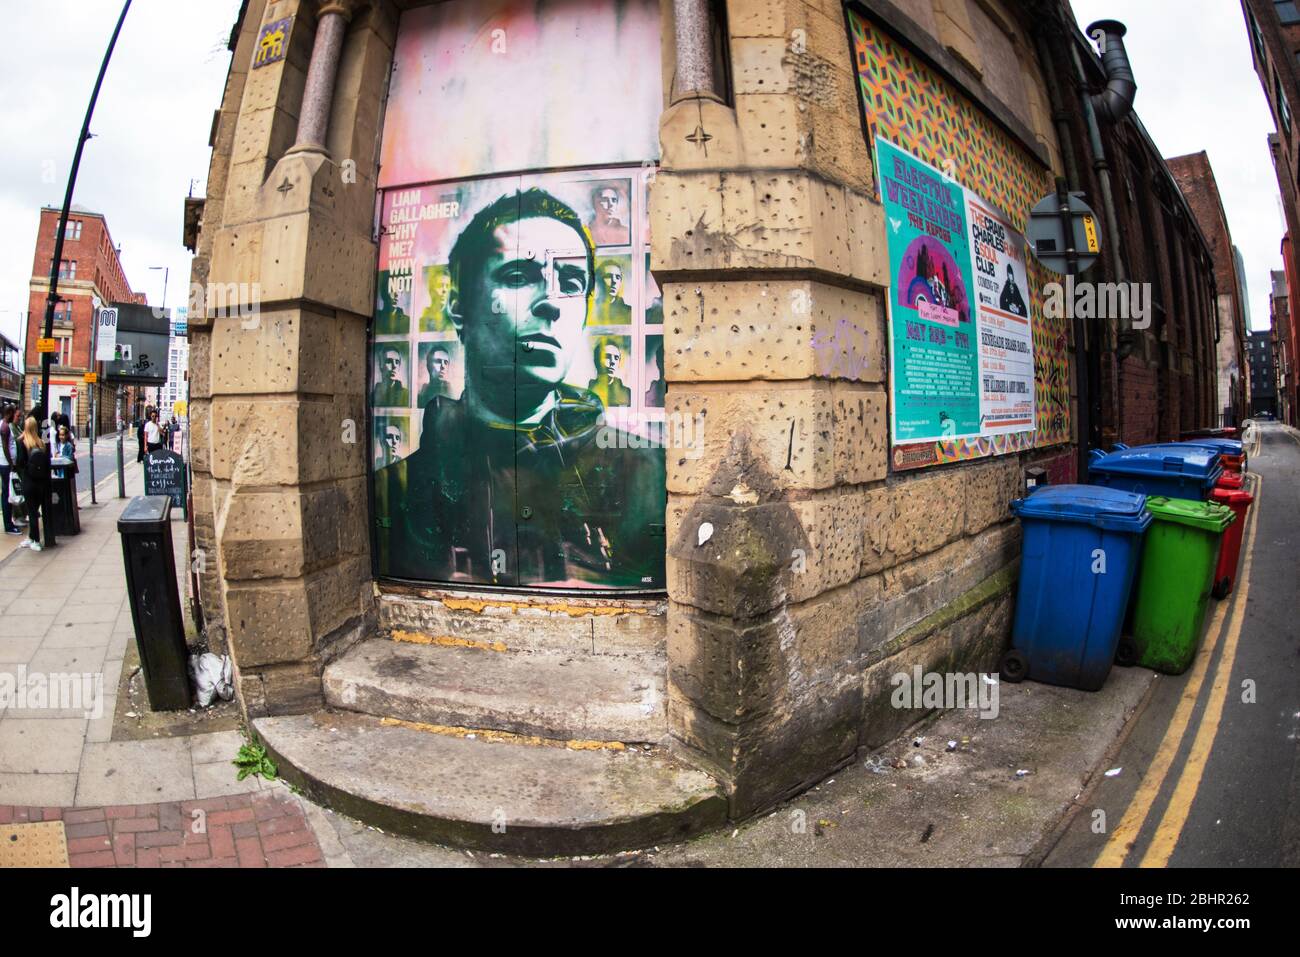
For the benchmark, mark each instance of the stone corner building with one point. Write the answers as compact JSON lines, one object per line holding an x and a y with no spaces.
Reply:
{"x":559,"y":481}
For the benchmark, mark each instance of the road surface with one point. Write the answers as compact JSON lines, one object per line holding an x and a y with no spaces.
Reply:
{"x":1209,"y":772}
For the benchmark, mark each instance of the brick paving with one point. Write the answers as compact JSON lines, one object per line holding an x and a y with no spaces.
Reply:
{"x":262,"y":829}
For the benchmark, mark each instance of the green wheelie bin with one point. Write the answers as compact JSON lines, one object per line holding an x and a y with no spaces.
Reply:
{"x":1174,"y":582}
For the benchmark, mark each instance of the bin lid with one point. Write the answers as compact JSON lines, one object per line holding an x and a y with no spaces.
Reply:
{"x":1194,"y":461}
{"x":1230,"y":480}
{"x":1225,"y":446}
{"x":145,"y":513}
{"x":1184,"y":511}
{"x":1092,"y":504}
{"x":1231,"y":496}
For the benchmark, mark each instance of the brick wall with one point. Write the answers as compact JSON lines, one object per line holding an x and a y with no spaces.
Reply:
{"x":1138,"y":400}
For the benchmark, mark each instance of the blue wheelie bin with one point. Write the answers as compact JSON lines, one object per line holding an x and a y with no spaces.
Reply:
{"x":1174,"y":471}
{"x":1082,"y":545}
{"x":1233,"y":453}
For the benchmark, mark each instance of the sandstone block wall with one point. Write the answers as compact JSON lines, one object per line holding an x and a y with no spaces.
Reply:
{"x":278,"y":361}
{"x":801,"y":573}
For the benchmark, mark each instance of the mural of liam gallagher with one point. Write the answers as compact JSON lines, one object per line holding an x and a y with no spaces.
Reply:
{"x":510,"y":484}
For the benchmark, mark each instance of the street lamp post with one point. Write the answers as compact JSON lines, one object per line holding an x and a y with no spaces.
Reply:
{"x":52,"y":297}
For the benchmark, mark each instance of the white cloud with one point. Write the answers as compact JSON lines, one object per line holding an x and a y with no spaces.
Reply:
{"x":150,"y":128}
{"x":1197,"y":90}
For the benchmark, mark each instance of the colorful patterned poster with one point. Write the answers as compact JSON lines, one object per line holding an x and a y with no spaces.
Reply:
{"x":932,"y":329}
{"x":906,"y":101}
{"x":1006,"y":345}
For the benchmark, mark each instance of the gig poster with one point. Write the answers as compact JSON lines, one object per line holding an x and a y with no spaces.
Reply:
{"x":960,"y":332}
{"x":932,"y":333}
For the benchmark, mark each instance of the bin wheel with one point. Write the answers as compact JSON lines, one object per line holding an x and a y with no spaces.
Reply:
{"x":1126,"y":654}
{"x":1222,"y":588}
{"x":1014,"y":666}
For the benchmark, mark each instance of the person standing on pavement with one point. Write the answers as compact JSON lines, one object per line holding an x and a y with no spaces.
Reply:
{"x":139,"y":434}
{"x":65,"y":448}
{"x":8,"y":462}
{"x":153,"y":433}
{"x":34,"y":464}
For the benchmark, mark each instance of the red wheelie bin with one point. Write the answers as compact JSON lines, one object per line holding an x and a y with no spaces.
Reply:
{"x":1225,"y":572}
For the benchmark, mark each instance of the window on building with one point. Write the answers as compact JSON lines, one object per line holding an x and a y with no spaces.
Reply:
{"x":68,"y":269}
{"x":1286,"y":11}
{"x":1283,"y":107}
{"x":1258,"y":37}
{"x":71,"y":231}
{"x":63,"y":312}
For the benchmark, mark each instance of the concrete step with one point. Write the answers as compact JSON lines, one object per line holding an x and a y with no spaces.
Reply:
{"x":532,"y":623}
{"x":585,"y":697}
{"x":491,"y":795}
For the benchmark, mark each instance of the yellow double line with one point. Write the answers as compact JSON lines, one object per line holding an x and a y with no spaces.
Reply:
{"x":1170,"y":828}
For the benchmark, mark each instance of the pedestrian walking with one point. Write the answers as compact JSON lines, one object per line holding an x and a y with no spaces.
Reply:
{"x":34,"y":465}
{"x":8,"y":463}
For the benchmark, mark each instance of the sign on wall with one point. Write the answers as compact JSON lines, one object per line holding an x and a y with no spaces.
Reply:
{"x":1002,"y":296}
{"x":909,"y":103}
{"x":961,"y":343}
{"x":106,"y":336}
{"x":932,"y":332}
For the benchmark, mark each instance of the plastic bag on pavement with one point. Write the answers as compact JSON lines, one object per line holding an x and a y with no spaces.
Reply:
{"x":213,"y":676}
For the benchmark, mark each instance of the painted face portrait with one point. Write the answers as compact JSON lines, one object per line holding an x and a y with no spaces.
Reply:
{"x":610,"y":358}
{"x":611,"y":278}
{"x":610,"y":215}
{"x":439,"y":365}
{"x":392,"y":440}
{"x":526,"y":307}
{"x":391,"y":366}
{"x":610,"y":204}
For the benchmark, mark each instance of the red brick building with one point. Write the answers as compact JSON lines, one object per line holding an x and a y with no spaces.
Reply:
{"x":1274,"y":27}
{"x":1195,"y":178}
{"x":90,"y":270}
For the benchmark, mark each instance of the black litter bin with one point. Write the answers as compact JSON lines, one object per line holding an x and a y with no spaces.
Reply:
{"x":146,"y":530}
{"x":65,"y":516}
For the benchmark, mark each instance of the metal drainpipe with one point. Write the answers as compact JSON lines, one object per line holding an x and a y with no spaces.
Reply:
{"x":1059,"y":116}
{"x":693,"y":42}
{"x":1099,"y":162}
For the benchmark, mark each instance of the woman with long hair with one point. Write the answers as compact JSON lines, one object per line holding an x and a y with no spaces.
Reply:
{"x":34,"y":466}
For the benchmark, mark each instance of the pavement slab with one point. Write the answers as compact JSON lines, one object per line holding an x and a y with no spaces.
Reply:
{"x":41,"y":745}
{"x":124,"y":772}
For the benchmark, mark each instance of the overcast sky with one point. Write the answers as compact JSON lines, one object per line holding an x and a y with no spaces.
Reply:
{"x":1197,"y":90}
{"x":151,"y":130}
